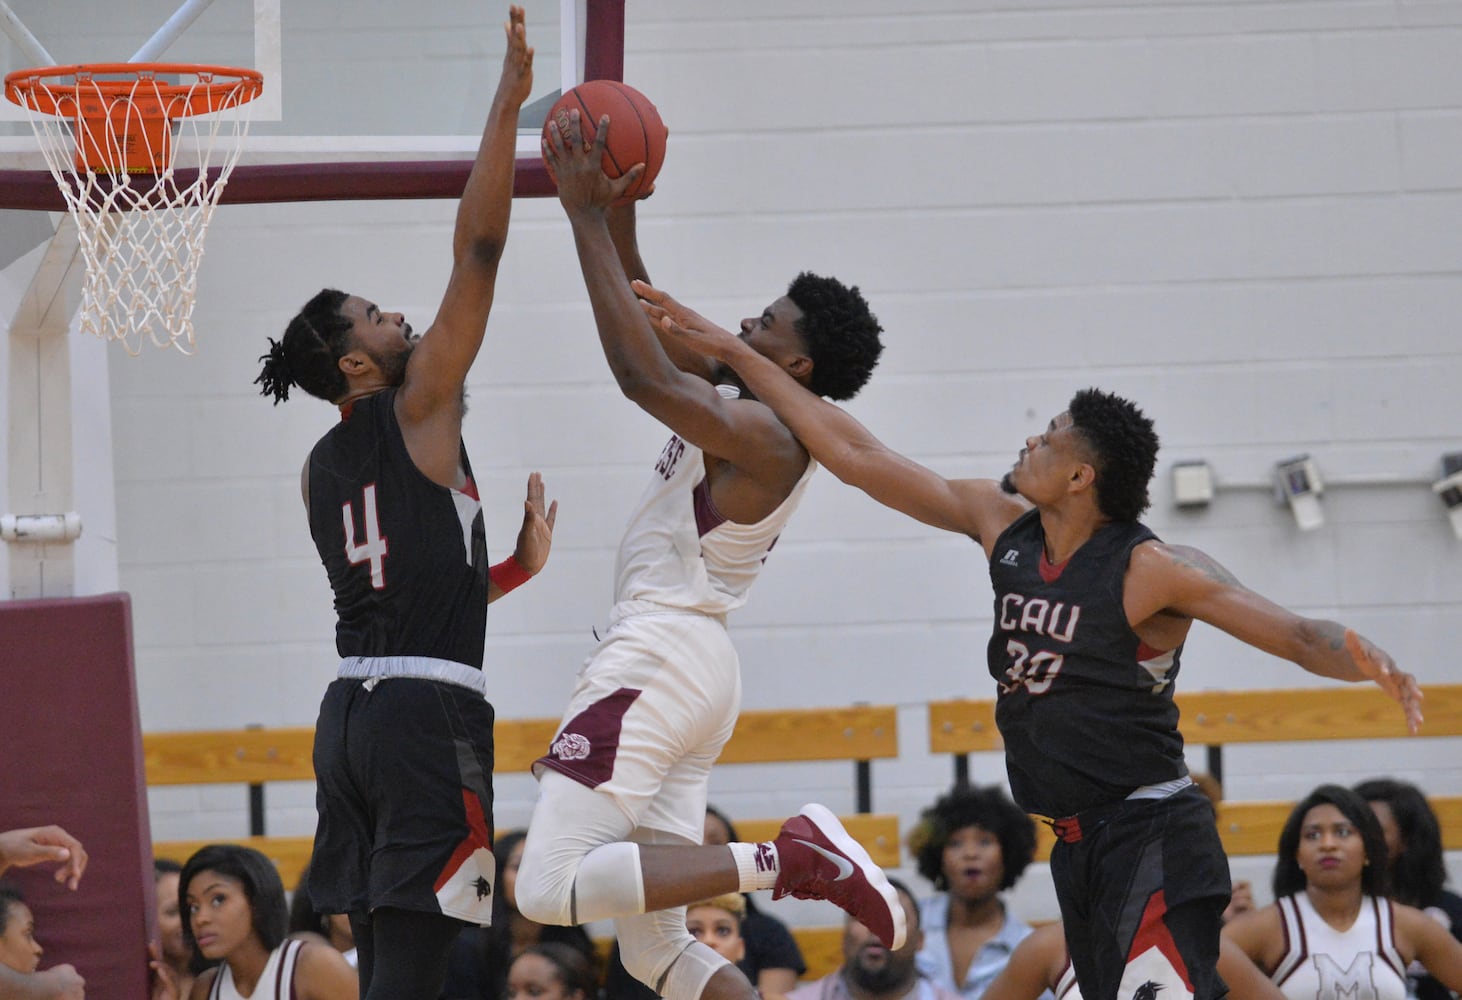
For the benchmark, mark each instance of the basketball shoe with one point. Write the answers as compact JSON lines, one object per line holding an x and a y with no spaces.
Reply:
{"x":819,"y":860}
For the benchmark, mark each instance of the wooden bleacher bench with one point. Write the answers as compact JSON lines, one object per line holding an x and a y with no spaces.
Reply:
{"x":1217,"y":718}
{"x":255,"y":757}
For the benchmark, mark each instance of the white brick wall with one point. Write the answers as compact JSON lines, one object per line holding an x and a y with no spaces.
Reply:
{"x":1248,"y":216}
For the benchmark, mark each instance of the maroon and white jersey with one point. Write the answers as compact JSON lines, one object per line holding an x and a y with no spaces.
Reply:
{"x":1322,"y":963}
{"x":275,"y":983}
{"x":680,"y":552}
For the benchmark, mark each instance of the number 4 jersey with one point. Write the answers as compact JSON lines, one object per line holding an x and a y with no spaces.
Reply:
{"x":407,"y":557}
{"x":1085,"y":707}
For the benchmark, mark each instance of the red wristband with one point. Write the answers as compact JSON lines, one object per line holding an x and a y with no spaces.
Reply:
{"x":508,"y":575}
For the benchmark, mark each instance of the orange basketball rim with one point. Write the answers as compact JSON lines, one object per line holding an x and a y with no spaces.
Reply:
{"x":122,"y":113}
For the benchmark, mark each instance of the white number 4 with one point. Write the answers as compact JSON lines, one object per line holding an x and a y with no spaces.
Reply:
{"x":374,"y":549}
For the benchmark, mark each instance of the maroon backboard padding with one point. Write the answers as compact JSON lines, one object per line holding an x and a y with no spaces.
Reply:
{"x":72,"y":755}
{"x":604,"y":23}
{"x":253,"y":185}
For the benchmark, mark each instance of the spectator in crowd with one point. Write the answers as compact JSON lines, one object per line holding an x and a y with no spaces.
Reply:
{"x":871,"y":971}
{"x":1417,"y":868}
{"x":34,"y":846}
{"x":309,"y":924}
{"x":19,"y":949}
{"x":716,"y":923}
{"x":552,"y":970}
{"x":182,"y":961}
{"x":236,"y":915}
{"x":1331,"y":931}
{"x":773,"y":962}
{"x":477,"y":967}
{"x":973,"y":843}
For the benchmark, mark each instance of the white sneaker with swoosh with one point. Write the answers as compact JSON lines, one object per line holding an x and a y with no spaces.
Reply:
{"x":818,"y":859}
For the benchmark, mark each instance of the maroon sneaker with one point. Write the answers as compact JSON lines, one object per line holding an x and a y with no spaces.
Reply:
{"x":819,"y":860}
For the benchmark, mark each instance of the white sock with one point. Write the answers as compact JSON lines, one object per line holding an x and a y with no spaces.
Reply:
{"x":756,"y":864}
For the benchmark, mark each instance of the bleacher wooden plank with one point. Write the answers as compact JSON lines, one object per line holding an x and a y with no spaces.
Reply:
{"x":289,"y":854}
{"x":1352,"y":711}
{"x":1349,"y":712}
{"x":245,"y":756}
{"x":859,"y":732}
{"x":877,"y":832}
{"x":963,"y":726}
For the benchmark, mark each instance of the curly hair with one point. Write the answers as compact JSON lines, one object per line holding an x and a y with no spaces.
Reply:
{"x":1418,"y":870}
{"x":1123,"y":448}
{"x":842,"y":335}
{"x":309,"y":353}
{"x":260,"y":880}
{"x":988,"y":808}
{"x":1289,"y":878}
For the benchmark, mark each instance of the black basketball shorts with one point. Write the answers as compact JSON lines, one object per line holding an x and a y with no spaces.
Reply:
{"x":403,"y":771}
{"x":1142,"y":894}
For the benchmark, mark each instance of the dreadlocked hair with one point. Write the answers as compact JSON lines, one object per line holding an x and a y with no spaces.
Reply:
{"x":1124,"y":450}
{"x":841,"y":334}
{"x":308,"y":354}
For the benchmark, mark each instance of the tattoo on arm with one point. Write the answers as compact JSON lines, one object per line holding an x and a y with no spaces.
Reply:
{"x":1192,"y":558}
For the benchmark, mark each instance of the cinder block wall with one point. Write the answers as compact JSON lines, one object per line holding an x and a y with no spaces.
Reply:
{"x":1245,"y":215}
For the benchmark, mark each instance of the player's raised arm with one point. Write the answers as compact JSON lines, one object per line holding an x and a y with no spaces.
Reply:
{"x":623,"y":230}
{"x":974,"y":507}
{"x":748,"y":436}
{"x":1185,"y":580}
{"x":439,"y":365}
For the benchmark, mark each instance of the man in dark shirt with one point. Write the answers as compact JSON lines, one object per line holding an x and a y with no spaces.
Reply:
{"x":403,"y":746}
{"x":1091,"y":612}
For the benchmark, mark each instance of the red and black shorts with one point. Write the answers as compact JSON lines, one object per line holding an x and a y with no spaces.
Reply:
{"x":403,"y":772}
{"x":1143,"y":885}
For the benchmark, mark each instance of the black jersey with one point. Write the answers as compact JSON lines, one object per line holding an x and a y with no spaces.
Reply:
{"x":407,"y":557}
{"x":1085,"y":707}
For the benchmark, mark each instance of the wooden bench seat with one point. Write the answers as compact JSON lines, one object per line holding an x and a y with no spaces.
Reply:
{"x":255,"y":757}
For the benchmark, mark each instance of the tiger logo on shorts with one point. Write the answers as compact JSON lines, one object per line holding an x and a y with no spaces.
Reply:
{"x":570,"y":746}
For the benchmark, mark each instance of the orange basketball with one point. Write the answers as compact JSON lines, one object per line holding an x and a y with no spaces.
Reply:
{"x":636,"y":133}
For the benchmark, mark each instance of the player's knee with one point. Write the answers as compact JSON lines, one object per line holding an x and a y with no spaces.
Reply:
{"x":544,"y":893}
{"x":647,"y":956}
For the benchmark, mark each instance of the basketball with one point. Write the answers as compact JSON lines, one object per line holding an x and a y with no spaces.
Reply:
{"x":636,"y":133}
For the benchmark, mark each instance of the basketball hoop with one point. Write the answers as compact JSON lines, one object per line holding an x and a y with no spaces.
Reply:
{"x":111,"y":133}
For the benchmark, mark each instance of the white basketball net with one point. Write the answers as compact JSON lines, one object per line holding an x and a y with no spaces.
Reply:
{"x":141,"y":233}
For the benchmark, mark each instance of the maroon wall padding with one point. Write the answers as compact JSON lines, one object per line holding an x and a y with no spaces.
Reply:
{"x":71,"y":754}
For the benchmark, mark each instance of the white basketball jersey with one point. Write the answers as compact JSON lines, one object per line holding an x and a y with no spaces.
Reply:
{"x":275,"y":983}
{"x":680,"y":552}
{"x":1321,"y":963}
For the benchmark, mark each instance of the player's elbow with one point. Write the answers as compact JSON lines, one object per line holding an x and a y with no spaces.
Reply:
{"x":482,"y":251}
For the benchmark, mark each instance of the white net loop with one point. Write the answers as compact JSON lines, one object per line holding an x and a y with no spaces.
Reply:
{"x":141,"y":162}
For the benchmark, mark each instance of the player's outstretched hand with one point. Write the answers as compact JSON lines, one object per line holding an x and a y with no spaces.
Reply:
{"x":578,"y":167}
{"x":37,"y":845}
{"x":697,"y":332}
{"x":517,"y":79}
{"x":535,"y":538}
{"x":1374,"y":663}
